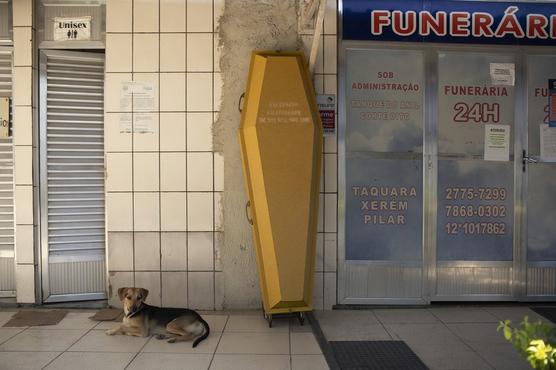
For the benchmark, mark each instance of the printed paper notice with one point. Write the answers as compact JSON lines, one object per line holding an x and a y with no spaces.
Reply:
{"x":497,"y":143}
{"x":502,"y":74}
{"x":126,"y":123}
{"x":137,"y":95}
{"x":143,"y":124}
{"x":327,"y":109}
{"x":548,"y":143}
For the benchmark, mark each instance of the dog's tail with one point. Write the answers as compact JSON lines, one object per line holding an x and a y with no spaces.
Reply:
{"x":205,"y":334}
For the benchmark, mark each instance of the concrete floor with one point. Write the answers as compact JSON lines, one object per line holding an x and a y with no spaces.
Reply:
{"x":239,"y":341}
{"x":443,"y":337}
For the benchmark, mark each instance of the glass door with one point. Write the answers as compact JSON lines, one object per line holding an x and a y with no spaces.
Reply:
{"x":540,"y":168}
{"x":380,"y":259}
{"x":476,"y":129}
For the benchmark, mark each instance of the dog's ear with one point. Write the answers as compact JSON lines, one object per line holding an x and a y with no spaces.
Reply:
{"x":121,"y":293}
{"x":144,"y":293}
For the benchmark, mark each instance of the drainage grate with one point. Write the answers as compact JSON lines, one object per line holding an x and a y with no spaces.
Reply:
{"x":371,"y":355}
{"x":548,"y":313}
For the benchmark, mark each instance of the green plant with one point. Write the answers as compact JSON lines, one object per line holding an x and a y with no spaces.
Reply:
{"x":534,"y":341}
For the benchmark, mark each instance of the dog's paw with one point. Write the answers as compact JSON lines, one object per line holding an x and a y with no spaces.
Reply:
{"x":161,"y":337}
{"x":109,"y":332}
{"x":171,"y":340}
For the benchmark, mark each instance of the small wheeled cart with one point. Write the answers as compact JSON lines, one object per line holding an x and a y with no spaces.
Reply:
{"x":281,"y":145}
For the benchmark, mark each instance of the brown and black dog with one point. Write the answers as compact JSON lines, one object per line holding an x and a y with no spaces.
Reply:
{"x":173,"y":324}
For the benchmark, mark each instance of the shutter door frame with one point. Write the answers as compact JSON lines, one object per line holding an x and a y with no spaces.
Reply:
{"x":7,"y":221}
{"x":69,"y":250}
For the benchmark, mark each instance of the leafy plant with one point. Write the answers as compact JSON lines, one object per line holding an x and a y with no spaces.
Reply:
{"x":534,"y":341}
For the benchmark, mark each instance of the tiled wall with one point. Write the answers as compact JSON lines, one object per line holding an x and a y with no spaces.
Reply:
{"x":25,"y":149}
{"x":163,"y":188}
{"x":327,"y":241}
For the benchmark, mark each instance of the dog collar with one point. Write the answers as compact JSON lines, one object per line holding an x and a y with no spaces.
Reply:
{"x":131,"y":314}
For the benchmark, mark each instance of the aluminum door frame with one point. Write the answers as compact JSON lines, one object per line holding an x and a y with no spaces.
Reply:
{"x":43,"y":288}
{"x":430,"y":169}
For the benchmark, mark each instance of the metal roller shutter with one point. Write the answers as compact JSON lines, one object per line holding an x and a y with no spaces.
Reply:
{"x":7,"y":263}
{"x":72,"y":176}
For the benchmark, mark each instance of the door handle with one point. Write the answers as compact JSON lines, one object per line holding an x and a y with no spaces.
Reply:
{"x":528,"y":160}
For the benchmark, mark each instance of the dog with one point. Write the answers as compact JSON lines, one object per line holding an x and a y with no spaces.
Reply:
{"x":171,"y":324}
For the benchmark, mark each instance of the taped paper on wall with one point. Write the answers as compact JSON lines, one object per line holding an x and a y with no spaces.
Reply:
{"x":126,"y":123}
{"x":548,"y":143}
{"x":139,"y":123}
{"x":327,"y":109}
{"x":497,"y":143}
{"x":137,"y":95}
{"x":502,"y":74}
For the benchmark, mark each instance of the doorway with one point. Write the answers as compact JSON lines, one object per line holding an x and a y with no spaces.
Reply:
{"x":444,"y":190}
{"x":72,"y":176}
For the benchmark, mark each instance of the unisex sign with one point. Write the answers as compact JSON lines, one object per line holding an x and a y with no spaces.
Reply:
{"x":72,"y":29}
{"x":450,"y":21}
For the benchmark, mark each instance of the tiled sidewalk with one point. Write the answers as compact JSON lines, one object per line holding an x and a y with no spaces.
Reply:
{"x":237,"y":341}
{"x":444,"y":338}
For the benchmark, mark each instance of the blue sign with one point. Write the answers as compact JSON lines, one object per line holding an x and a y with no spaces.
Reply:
{"x":450,"y":21}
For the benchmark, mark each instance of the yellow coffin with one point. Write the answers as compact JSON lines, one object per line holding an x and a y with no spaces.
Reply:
{"x":281,"y":143}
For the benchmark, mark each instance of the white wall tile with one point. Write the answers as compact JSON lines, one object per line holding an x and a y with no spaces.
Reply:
{"x":25,"y":283}
{"x":24,"y":249}
{"x":173,"y":211}
{"x":119,"y":15}
{"x":119,"y":55}
{"x":23,"y":204}
{"x":218,"y":212}
{"x":145,"y":52}
{"x":330,"y":55}
{"x":119,"y":211}
{"x":112,"y":90}
{"x":330,"y":17}
{"x":330,"y":84}
{"x":23,"y":125}
{"x":23,"y":162}
{"x":172,"y":16}
{"x":330,"y":252}
{"x":218,"y":244}
{"x":22,"y":13}
{"x":218,"y":172}
{"x":172,"y":131}
{"x":172,"y":52}
{"x":199,"y":16}
{"x":318,"y":291}
{"x":146,"y":141}
{"x":23,"y":80}
{"x":329,"y":290}
{"x":318,"y":83}
{"x":319,"y":261}
{"x":200,"y":211}
{"x":330,"y":173}
{"x":174,"y":289}
{"x":199,"y":131}
{"x":117,"y":280}
{"x":172,"y":172}
{"x":145,"y":15}
{"x":307,"y":41}
{"x":218,"y":10}
{"x":152,"y":79}
{"x":320,"y":226}
{"x":120,"y":251}
{"x":146,"y":171}
{"x":199,"y":172}
{"x":114,"y":140}
{"x":172,"y":92}
{"x":201,"y":290}
{"x":199,"y":92}
{"x":200,"y":251}
{"x":151,"y":282}
{"x":331,"y":210}
{"x":174,"y":251}
{"x":217,"y":91}
{"x":219,"y":291}
{"x":331,"y":141}
{"x":199,"y":52}
{"x":119,"y":171}
{"x":146,"y":212}
{"x":23,"y":52}
{"x":147,"y":251}
{"x":217,"y":53}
